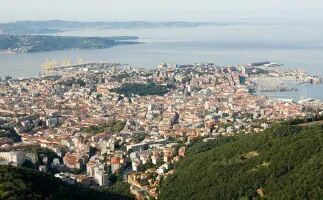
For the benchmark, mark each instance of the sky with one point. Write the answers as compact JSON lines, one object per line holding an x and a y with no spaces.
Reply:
{"x":160,"y":10}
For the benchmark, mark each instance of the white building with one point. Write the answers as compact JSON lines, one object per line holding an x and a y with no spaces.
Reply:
{"x":161,"y":170}
{"x":101,"y":177}
{"x":13,"y":158}
{"x":135,"y":164}
{"x":43,"y":168}
{"x":65,"y":177}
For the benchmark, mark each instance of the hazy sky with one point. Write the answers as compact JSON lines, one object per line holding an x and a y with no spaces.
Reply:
{"x":158,"y":10}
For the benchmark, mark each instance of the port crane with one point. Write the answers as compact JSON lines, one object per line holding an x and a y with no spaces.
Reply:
{"x":49,"y":65}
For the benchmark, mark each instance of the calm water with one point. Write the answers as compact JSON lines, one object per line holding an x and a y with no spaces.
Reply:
{"x":297,"y":46}
{"x":303,"y":91}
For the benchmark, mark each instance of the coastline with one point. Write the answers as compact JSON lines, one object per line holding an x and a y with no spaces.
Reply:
{"x":20,"y":44}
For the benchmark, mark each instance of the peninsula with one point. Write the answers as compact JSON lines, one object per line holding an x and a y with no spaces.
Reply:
{"x":13,"y":44}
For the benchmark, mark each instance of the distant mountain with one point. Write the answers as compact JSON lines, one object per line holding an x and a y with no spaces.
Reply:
{"x":55,"y":26}
{"x":39,"y":43}
{"x":283,"y":162}
{"x":23,"y":183}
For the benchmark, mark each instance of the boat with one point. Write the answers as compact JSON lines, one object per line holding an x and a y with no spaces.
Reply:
{"x":305,"y":100}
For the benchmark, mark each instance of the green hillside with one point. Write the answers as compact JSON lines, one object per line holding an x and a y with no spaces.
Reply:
{"x":42,"y":43}
{"x":285,"y":162}
{"x":23,"y":183}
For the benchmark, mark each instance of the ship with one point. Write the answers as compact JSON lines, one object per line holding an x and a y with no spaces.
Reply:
{"x":305,"y":100}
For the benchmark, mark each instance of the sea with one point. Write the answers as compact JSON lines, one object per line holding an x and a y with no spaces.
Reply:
{"x":296,"y":45}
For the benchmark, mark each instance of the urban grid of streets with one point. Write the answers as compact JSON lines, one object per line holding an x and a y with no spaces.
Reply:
{"x":137,"y":137}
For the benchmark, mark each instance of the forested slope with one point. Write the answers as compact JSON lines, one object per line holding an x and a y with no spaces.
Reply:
{"x":23,"y":183}
{"x":283,"y":162}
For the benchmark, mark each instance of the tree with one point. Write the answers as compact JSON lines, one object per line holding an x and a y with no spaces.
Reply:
{"x":23,"y":183}
{"x":284,"y":161}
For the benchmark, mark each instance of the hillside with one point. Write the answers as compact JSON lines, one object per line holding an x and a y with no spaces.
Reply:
{"x":283,"y":162}
{"x":23,"y":183}
{"x":55,"y":26}
{"x":40,"y":43}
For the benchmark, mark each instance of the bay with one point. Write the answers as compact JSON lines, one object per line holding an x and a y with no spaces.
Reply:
{"x":297,"y":46}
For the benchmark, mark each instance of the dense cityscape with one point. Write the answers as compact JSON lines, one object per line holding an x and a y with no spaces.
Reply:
{"x":161,"y":100}
{"x":99,"y":125}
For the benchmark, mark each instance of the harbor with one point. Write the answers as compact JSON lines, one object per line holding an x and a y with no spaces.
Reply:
{"x":53,"y":68}
{"x":295,"y":91}
{"x":287,"y":84}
